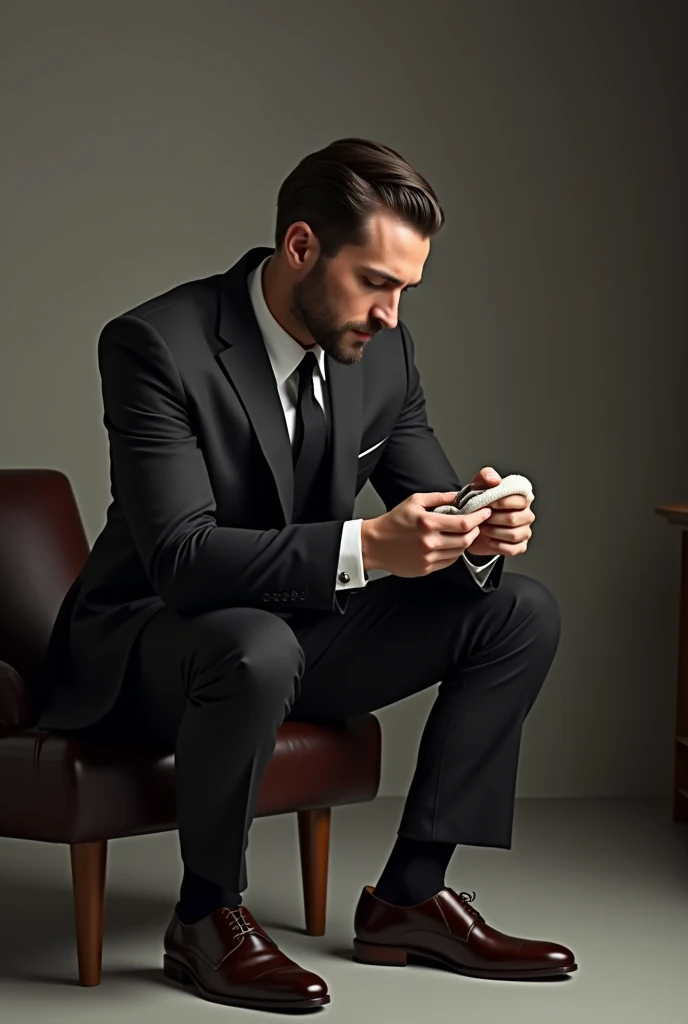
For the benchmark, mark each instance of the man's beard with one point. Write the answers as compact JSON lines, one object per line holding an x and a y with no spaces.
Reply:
{"x":310,"y":306}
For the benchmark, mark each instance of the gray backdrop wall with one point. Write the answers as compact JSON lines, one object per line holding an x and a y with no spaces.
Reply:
{"x":144,"y":144}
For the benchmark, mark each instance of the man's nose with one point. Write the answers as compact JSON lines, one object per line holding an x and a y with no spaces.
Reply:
{"x":387,"y":314}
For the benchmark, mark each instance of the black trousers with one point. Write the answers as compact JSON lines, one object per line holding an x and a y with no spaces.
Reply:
{"x":215,"y":689}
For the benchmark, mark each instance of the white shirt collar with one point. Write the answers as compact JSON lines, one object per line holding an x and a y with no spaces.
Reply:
{"x":285,"y":353}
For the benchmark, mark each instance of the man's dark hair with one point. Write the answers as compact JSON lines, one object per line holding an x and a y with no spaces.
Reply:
{"x":337,"y":189}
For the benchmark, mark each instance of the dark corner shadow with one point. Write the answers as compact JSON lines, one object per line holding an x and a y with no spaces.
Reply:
{"x":680,"y":831}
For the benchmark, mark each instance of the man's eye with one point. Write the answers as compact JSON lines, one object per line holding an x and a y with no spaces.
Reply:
{"x":372,"y":284}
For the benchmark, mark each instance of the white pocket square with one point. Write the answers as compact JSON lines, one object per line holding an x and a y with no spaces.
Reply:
{"x":368,"y":450}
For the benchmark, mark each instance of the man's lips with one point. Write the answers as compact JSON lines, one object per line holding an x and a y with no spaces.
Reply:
{"x":364,"y":337}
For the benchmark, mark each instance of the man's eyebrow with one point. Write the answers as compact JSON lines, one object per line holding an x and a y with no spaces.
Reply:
{"x":389,"y":277}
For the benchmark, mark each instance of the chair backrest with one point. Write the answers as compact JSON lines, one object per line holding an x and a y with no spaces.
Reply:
{"x":43,"y":547}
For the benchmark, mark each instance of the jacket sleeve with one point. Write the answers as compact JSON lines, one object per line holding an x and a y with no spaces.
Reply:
{"x":414,"y":462}
{"x":160,"y":479}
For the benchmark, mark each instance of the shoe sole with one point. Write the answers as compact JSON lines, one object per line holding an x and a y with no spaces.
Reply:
{"x":400,"y":956}
{"x":181,"y":974}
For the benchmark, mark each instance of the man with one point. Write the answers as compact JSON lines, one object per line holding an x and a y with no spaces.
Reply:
{"x":229,"y":588}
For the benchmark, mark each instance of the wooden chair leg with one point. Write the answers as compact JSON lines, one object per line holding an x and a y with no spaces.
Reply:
{"x":88,"y":879}
{"x":314,"y":842}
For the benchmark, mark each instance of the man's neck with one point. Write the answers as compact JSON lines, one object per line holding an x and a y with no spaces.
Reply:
{"x":278,"y":301}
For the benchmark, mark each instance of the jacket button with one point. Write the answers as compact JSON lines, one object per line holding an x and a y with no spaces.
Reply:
{"x":344,"y":577}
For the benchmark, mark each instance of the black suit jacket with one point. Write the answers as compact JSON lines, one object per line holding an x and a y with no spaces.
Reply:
{"x":202,"y":481}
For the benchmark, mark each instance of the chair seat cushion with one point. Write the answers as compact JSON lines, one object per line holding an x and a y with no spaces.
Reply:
{"x":59,"y":789}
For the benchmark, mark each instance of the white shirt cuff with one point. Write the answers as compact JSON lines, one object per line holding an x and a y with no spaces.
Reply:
{"x":480,"y":573}
{"x":351,"y":556}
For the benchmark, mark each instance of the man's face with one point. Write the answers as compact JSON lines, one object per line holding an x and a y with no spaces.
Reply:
{"x":353,"y":292}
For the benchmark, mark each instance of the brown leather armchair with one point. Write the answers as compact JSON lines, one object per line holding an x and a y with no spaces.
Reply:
{"x":57,"y":790}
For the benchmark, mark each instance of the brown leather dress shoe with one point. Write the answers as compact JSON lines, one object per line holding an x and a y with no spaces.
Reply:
{"x":448,"y":930}
{"x":231,"y":959}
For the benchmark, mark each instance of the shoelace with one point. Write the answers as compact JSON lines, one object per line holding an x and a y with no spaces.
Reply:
{"x":239,"y":920}
{"x":469,"y":899}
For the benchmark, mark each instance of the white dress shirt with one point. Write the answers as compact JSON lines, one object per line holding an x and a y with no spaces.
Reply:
{"x":285,"y":355}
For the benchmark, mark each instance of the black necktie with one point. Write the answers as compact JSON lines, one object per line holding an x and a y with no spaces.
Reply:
{"x":310,"y":445}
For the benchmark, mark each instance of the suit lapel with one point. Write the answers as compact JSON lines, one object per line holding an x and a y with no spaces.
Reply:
{"x":345,"y":385}
{"x":246,"y":363}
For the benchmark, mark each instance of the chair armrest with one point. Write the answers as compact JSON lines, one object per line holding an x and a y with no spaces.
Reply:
{"x":675,"y":513}
{"x":15,"y":704}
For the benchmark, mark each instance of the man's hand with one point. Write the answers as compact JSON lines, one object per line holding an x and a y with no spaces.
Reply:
{"x":409,"y":540}
{"x":505,"y":532}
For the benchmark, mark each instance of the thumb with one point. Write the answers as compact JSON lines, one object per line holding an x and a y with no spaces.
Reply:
{"x":431,"y":499}
{"x":487,"y":477}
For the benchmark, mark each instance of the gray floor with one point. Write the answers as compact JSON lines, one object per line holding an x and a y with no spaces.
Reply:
{"x":608,"y":878}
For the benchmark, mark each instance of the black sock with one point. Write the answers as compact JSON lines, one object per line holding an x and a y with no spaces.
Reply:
{"x":199,"y":897}
{"x":415,"y":871}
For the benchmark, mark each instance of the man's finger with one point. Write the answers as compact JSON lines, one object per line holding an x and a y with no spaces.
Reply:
{"x":511,"y":501}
